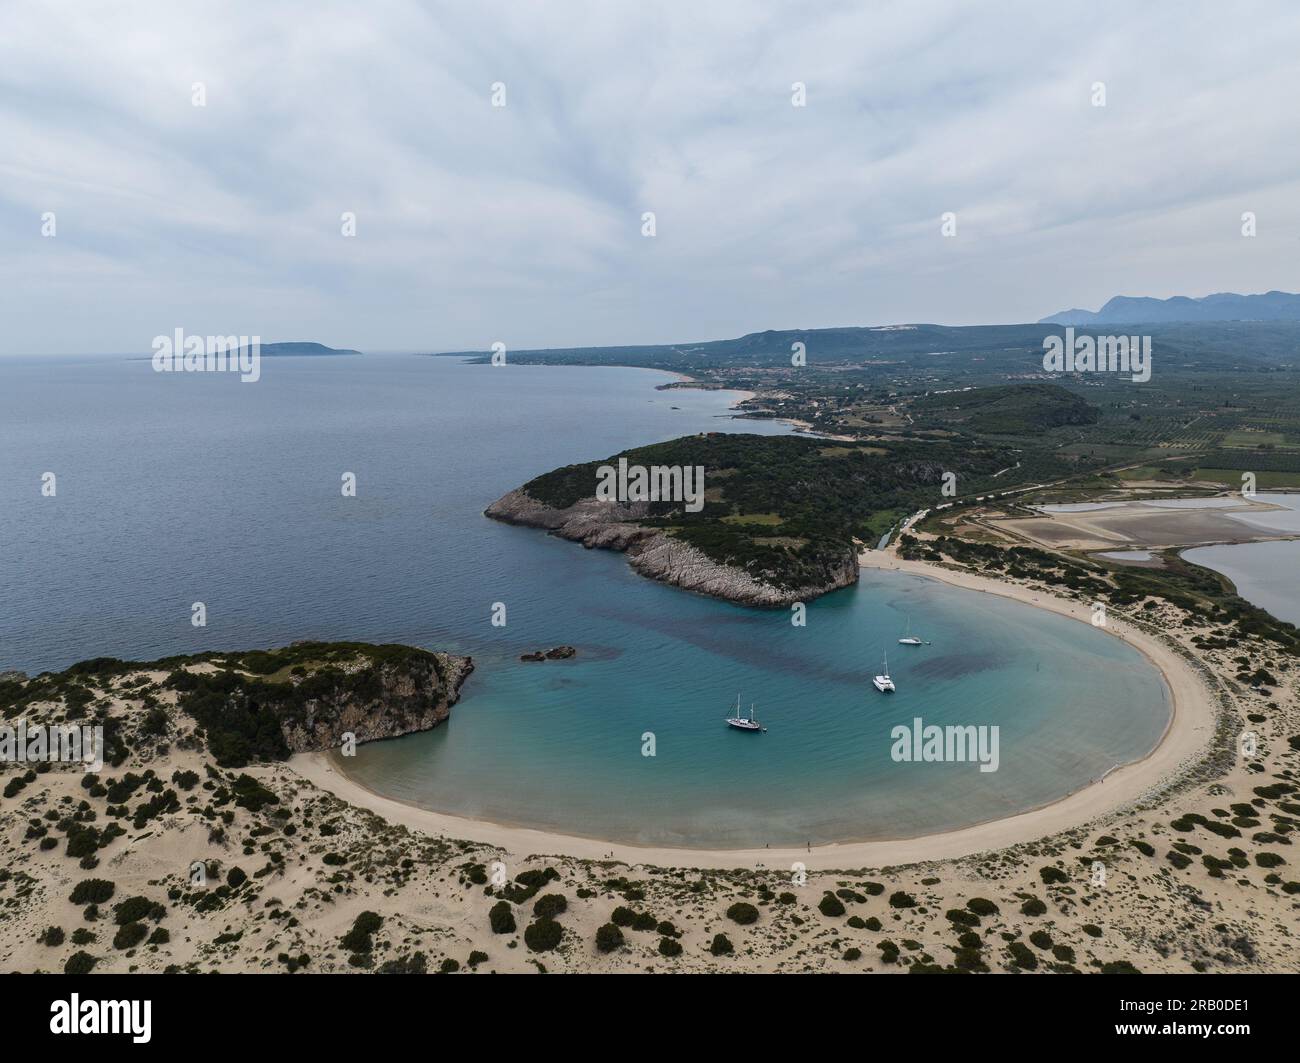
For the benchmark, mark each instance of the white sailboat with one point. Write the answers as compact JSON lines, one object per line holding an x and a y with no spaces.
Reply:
{"x":909,"y":639}
{"x":744,"y":723}
{"x":882,"y":682}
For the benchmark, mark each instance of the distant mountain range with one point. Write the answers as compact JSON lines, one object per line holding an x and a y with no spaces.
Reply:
{"x":1223,"y":306}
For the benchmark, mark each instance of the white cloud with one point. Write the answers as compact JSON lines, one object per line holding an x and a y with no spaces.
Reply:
{"x":523,"y":223}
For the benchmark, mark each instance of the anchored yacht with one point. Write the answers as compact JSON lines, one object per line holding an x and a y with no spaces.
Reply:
{"x":882,"y":682}
{"x":744,"y":723}
{"x":909,"y":639}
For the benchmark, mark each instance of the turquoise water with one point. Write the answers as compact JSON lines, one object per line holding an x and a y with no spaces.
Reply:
{"x":181,"y":488}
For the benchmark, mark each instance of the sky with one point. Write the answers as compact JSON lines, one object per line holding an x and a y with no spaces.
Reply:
{"x":523,"y":223}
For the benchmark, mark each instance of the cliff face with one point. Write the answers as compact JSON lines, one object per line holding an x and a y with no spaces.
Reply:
{"x":374,"y":700}
{"x":658,"y":555}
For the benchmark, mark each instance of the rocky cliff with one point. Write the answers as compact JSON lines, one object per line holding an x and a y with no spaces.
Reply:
{"x":659,"y":556}
{"x":376,"y":699}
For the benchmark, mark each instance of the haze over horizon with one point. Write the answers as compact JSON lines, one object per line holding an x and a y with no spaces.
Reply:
{"x":523,"y":223}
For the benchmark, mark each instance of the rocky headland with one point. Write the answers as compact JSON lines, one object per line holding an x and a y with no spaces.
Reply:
{"x":656,"y":554}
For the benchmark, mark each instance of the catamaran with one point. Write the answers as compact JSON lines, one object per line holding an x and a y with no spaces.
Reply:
{"x":882,"y":682}
{"x":744,"y":723}
{"x":909,"y":639}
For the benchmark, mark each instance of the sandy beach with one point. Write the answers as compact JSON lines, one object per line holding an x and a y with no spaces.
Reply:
{"x":1190,"y":728}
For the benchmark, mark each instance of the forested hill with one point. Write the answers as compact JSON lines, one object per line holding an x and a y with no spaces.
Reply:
{"x":784,"y":509}
{"x":995,"y":348}
{"x":1013,"y":410}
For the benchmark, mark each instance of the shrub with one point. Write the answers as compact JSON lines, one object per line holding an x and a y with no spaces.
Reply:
{"x":52,"y":936}
{"x":1091,"y":929}
{"x":160,"y":936}
{"x":1049,"y":875}
{"x":358,"y":939}
{"x":502,"y":918}
{"x":721,"y":945}
{"x":550,"y":905}
{"x":622,"y":916}
{"x":236,"y":877}
{"x":1021,"y":956}
{"x":129,"y":935}
{"x":608,"y":938}
{"x":850,"y":955}
{"x":1033,"y":906}
{"x":902,"y":900}
{"x":415,"y":963}
{"x":543,"y":935}
{"x":134,"y":909}
{"x":92,"y":891}
{"x":744,"y":913}
{"x":830,"y":905}
{"x":669,"y":947}
{"x":80,"y":963}
{"x":1041,"y":939}
{"x":982,"y":906}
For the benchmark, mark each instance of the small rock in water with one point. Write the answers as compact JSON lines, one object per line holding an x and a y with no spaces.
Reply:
{"x":555,"y":653}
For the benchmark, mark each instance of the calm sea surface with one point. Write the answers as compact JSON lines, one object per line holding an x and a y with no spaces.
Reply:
{"x":178,"y":488}
{"x":1266,"y":574}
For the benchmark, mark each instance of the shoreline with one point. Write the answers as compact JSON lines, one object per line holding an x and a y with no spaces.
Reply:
{"x":1189,"y":728}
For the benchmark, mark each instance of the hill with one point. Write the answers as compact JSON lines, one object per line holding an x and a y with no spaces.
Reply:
{"x":1223,"y":306}
{"x":301,"y":349}
{"x":1022,"y":409}
{"x":779,"y":514}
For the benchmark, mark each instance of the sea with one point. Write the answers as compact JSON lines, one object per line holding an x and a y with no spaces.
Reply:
{"x":168,"y":490}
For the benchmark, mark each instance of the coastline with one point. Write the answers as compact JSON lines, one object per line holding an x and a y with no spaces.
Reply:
{"x":1190,"y":727}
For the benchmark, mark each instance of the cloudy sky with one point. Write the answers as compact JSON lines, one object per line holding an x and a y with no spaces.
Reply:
{"x":523,"y":223}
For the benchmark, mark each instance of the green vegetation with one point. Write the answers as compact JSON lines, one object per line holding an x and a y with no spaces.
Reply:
{"x":830,"y":905}
{"x":742,"y":912}
{"x":243,"y":718}
{"x":608,"y":938}
{"x":360,"y":937}
{"x":543,"y":935}
{"x":779,"y":507}
{"x":92,"y":891}
{"x":502,"y":918}
{"x":1012,"y":410}
{"x":550,"y":905}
